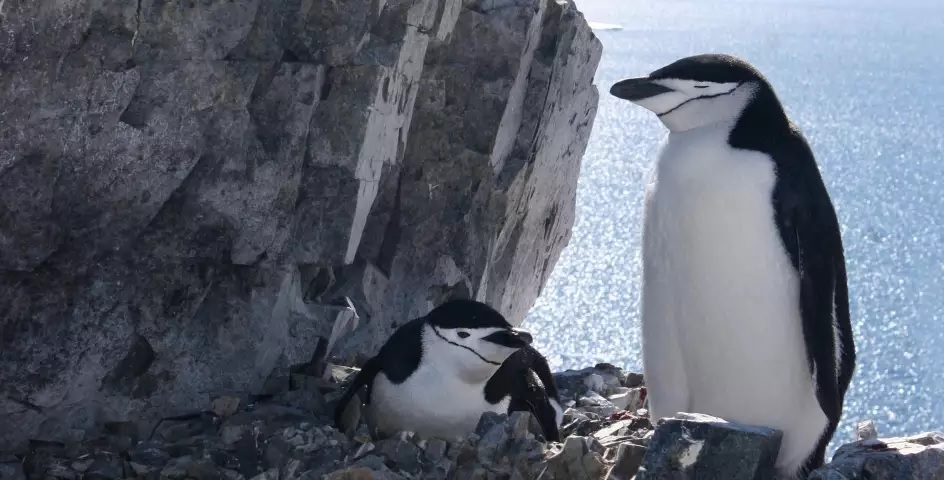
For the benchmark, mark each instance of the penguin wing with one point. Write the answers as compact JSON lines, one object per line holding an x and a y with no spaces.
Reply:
{"x":398,"y":358}
{"x":810,"y":232}
{"x":538,"y":363}
{"x":518,"y":378}
{"x":537,"y":398}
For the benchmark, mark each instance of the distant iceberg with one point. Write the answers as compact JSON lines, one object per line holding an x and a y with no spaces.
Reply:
{"x":604,"y":26}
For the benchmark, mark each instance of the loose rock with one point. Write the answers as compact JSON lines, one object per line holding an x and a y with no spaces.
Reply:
{"x":865,"y":430}
{"x":901,"y":458}
{"x":267,"y":439}
{"x":705,"y":447}
{"x":629,"y":458}
{"x":225,"y":406}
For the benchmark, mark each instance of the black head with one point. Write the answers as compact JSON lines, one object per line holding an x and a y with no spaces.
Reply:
{"x":472,"y":337}
{"x":695,"y":91}
{"x":463,"y":313}
{"x":711,"y":68}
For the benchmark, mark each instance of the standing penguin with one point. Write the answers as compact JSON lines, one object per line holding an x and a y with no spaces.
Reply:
{"x":438,"y":374}
{"x":745,"y":311}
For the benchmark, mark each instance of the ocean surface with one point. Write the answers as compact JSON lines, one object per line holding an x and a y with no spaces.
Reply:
{"x":864,"y":80}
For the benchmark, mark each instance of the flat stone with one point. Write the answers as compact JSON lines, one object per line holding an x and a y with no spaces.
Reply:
{"x":865,"y":430}
{"x":488,"y":421}
{"x":594,"y":402}
{"x":629,"y":458}
{"x":581,"y":423}
{"x":435,"y":449}
{"x":621,"y":431}
{"x":175,"y":429}
{"x":225,"y":406}
{"x":901,"y":458}
{"x":646,"y":438}
{"x":633,"y":379}
{"x":270,"y":474}
{"x":699,"y":446}
{"x":404,"y":453}
{"x":82,"y":463}
{"x":580,"y":458}
{"x":627,"y":398}
{"x":340,"y":374}
{"x":594,"y":382}
{"x":105,"y":467}
{"x":364,"y":473}
{"x":232,"y":433}
{"x":353,"y":473}
{"x":147,"y":457}
{"x":11,"y":470}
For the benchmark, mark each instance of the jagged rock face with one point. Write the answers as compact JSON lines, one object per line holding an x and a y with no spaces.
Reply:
{"x":187,"y":187}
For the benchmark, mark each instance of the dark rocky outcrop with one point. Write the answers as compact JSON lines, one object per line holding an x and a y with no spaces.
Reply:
{"x":194,"y":193}
{"x":705,"y":447}
{"x":286,"y":435}
{"x":904,"y":458}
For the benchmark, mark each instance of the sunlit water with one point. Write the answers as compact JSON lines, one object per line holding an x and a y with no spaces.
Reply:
{"x":864,"y":80}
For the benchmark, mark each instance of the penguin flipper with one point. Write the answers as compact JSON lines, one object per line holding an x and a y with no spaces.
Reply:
{"x":532,"y":397}
{"x":365,"y":377}
{"x":546,"y":415}
{"x":538,"y":364}
{"x":810,"y":231}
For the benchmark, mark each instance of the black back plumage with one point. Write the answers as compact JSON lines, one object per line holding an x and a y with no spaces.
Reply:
{"x":809,"y":230}
{"x":402,"y":354}
{"x":398,"y":358}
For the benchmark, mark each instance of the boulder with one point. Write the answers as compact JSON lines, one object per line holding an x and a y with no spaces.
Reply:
{"x":901,"y":458}
{"x":194,"y":195}
{"x":704,"y":447}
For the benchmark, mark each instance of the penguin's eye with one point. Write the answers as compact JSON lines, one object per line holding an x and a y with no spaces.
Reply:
{"x":701,"y":86}
{"x":463,"y":334}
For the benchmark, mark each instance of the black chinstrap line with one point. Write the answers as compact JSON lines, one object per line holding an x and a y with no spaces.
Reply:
{"x":463,"y":346}
{"x":700,"y":98}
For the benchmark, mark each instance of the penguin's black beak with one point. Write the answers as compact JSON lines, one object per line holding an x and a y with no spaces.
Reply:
{"x":634,"y":89}
{"x":512,"y":338}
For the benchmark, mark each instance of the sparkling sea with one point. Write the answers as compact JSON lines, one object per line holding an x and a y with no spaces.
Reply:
{"x":864,"y":80}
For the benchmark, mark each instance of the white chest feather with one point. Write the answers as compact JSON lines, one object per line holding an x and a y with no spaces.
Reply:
{"x":721,"y":327}
{"x":430,"y":403}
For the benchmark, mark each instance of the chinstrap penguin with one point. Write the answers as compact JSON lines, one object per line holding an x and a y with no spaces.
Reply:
{"x":437,"y":374}
{"x":745,"y":310}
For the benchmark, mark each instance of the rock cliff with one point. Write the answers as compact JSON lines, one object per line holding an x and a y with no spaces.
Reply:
{"x":193,"y":194}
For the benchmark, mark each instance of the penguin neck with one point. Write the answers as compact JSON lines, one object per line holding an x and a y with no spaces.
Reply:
{"x":478,"y":376}
{"x":763,"y":120}
{"x":453,"y":361}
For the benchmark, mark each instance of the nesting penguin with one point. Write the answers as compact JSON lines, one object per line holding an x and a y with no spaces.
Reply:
{"x":437,"y":374}
{"x":745,"y":311}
